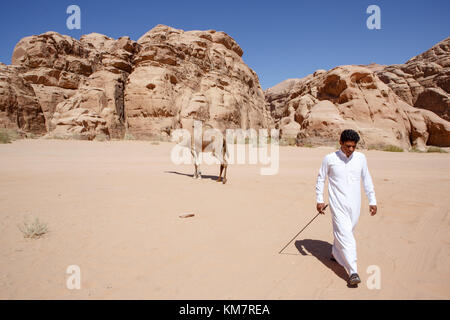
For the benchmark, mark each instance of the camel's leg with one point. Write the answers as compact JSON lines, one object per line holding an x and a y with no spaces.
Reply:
{"x":225,"y":165}
{"x":195,"y":171}
{"x":194,"y":155}
{"x":220,"y":174}
{"x":197,"y":168}
{"x":225,"y":162}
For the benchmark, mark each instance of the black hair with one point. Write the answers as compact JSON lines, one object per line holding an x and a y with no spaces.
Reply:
{"x":349,"y":135}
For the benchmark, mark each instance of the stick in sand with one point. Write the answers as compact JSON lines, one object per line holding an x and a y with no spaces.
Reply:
{"x":302,"y":229}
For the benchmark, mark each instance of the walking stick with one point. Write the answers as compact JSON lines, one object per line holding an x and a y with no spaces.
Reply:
{"x":302,"y":230}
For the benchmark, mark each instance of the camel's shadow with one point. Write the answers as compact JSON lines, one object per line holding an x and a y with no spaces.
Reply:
{"x":322,"y":251}
{"x":192,"y":175}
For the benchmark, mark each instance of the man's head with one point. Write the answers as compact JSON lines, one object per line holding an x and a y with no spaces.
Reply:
{"x":349,"y":139}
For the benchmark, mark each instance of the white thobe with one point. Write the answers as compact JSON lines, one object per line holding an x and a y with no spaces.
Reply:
{"x":344,"y":190}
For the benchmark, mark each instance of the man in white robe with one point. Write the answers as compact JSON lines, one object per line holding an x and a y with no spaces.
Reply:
{"x":345,"y":168}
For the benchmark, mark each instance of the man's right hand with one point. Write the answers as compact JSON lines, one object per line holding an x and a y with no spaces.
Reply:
{"x":320,"y":207}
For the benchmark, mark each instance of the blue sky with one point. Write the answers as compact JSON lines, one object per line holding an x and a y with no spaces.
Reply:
{"x":281,"y":39}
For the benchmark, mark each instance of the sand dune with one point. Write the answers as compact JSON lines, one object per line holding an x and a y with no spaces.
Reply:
{"x":113,"y":209}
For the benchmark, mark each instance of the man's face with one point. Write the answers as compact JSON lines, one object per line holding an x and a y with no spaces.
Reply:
{"x":348,"y":147}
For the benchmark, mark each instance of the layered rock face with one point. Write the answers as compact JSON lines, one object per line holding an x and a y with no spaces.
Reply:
{"x":19,"y":107}
{"x":79,"y":84}
{"x":317,"y":108}
{"x":180,"y":75}
{"x":402,"y":105}
{"x":101,"y":86}
{"x":423,"y":81}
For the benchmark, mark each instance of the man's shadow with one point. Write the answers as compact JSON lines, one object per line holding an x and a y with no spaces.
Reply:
{"x":192,"y":175}
{"x":322,"y":251}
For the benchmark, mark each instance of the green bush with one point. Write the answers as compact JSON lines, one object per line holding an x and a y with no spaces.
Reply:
{"x":388,"y":148}
{"x":4,"y":137}
{"x":101,"y":137}
{"x":414,"y":149}
{"x":56,"y":137}
{"x":288,"y":141}
{"x":436,"y":149}
{"x":13,"y":134}
{"x":30,"y":135}
{"x":391,"y":148}
{"x":9,"y":135}
{"x":129,"y":136}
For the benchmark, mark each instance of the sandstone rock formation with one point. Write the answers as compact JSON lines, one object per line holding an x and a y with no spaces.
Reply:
{"x":181,"y":75}
{"x":103,"y":87}
{"x":19,"y":107}
{"x":99,"y":85}
{"x":423,"y":81}
{"x":317,"y":108}
{"x":79,"y":84}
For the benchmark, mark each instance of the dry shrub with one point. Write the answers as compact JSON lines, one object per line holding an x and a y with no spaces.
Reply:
{"x":33,"y":230}
{"x":383,"y":147}
{"x":433,"y":149}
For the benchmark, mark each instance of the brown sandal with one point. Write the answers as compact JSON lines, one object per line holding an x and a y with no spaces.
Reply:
{"x":354,"y":279}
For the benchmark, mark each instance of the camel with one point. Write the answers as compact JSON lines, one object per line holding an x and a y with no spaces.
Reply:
{"x":207,"y":142}
{"x":218,"y":149}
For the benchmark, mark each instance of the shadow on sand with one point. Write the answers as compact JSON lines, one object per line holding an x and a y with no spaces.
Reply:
{"x":192,"y":175}
{"x":322,"y":251}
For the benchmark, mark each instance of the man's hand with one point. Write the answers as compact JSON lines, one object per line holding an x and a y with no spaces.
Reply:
{"x":373,"y":210}
{"x":320,"y":207}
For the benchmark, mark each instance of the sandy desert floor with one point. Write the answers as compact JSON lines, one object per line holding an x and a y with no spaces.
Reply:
{"x":113,"y":208}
